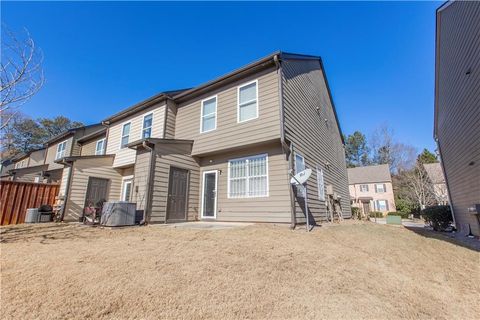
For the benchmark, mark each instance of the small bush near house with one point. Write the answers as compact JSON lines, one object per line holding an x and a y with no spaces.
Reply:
{"x":376,"y":214}
{"x":356,"y":213}
{"x":404,"y":215}
{"x":439,"y":217}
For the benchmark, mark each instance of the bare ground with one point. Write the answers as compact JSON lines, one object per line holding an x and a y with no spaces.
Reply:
{"x":350,"y":271}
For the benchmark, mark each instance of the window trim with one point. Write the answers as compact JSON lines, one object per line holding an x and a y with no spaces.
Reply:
{"x":121,"y":133}
{"x":203,"y":194}
{"x":201,"y":113}
{"x":257,"y":100}
{"x":126,"y":180}
{"x":360,"y":187}
{"x":377,"y":204}
{"x":104,"y":148}
{"x":384,"y":187}
{"x":267,"y":175}
{"x":143,"y":123}
{"x":300,"y":191}
{"x":64,"y":150}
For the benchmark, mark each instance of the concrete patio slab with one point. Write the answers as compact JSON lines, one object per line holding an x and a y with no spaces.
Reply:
{"x":209,"y":225}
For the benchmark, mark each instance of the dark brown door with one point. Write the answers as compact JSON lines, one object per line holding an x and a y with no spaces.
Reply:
{"x":177,"y":195}
{"x":96,"y":191}
{"x":366,"y":207}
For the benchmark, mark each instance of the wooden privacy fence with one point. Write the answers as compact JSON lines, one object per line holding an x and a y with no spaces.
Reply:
{"x":16,"y":197}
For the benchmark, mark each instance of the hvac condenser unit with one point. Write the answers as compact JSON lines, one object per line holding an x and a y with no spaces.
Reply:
{"x":118,"y":213}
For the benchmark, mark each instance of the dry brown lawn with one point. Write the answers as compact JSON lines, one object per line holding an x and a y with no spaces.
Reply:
{"x":350,"y":271}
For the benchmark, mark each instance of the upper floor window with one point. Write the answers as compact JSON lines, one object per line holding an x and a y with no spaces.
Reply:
{"x":209,"y":115}
{"x":100,"y":147}
{"x":364,"y":188}
{"x":61,"y":149}
{"x":380,"y":188}
{"x":125,"y":134}
{"x":147,"y":126}
{"x":248,"y":101}
{"x":248,"y":177}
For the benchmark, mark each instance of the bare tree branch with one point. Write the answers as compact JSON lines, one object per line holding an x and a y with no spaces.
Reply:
{"x":21,"y":73}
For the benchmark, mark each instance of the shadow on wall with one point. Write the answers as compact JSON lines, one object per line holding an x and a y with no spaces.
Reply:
{"x":453,"y":238}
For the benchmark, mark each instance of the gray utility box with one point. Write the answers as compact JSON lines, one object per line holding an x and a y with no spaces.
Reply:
{"x":118,"y":213}
{"x":32,"y":215}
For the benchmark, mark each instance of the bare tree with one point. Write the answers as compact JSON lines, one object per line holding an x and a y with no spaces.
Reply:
{"x":420,"y":188}
{"x":21,"y":72}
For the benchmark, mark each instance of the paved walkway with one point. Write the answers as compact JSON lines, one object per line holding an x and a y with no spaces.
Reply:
{"x":405,"y":222}
{"x":208,"y":225}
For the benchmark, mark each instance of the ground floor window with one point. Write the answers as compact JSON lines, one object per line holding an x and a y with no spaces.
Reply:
{"x":248,"y":177}
{"x":127,"y":189}
{"x":382,"y":205}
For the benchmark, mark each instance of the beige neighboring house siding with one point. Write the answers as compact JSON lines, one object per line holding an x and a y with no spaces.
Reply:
{"x":229,"y":133}
{"x":171,"y":112}
{"x":52,"y":151}
{"x":37,"y":158}
{"x":388,"y":196}
{"x":276,"y":207}
{"x":64,"y":181}
{"x":314,"y":133}
{"x":167,"y":156}
{"x":88,"y":148}
{"x":29,"y":174}
{"x":81,"y":171}
{"x":141,"y":172}
{"x":126,"y":156}
{"x":457,"y":107}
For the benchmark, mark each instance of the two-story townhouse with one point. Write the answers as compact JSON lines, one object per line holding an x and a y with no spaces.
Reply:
{"x":226,"y":150}
{"x":437,"y":179}
{"x":29,"y":167}
{"x":371,"y":188}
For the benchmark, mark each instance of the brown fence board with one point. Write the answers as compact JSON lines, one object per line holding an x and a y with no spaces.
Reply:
{"x":16,"y":197}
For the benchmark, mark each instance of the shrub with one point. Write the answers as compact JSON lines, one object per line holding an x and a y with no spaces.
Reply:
{"x":376,"y":214}
{"x":439,"y":217}
{"x":404,"y":215}
{"x":356,"y":213}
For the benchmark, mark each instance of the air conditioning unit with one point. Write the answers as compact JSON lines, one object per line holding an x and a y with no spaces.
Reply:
{"x":118,"y":213}
{"x":329,"y":189}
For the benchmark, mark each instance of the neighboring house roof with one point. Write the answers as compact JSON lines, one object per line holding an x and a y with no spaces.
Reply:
{"x":23,"y":155}
{"x":142,"y":105}
{"x":369,"y":174}
{"x":434,"y":172}
{"x":92,"y":135}
{"x":68,"y":133}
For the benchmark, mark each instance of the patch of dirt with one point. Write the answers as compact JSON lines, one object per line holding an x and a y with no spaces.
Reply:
{"x":351,"y":271}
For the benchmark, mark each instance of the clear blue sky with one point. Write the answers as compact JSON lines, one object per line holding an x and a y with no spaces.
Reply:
{"x":103,"y":57}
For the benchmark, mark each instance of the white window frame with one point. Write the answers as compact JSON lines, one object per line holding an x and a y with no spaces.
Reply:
{"x":202,"y":115}
{"x":61,"y":154}
{"x":320,"y":184}
{"x":362,"y":186}
{"x":384,"y":188}
{"x":143,"y":128}
{"x":216,"y":194}
{"x":104,"y":147}
{"x":300,"y":189}
{"x":247,"y":183}
{"x":121,"y":133}
{"x":127,"y":180}
{"x":377,"y":204}
{"x":256,"y":98}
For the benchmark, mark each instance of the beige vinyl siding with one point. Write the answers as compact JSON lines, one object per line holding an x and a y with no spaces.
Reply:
{"x":229,"y":133}
{"x":142,"y":169}
{"x":52,"y":151}
{"x":64,"y":181}
{"x":170,"y":121}
{"x":29,"y":174}
{"x":89,"y":147}
{"x":82,"y":170}
{"x":167,"y":156}
{"x":37,"y":158}
{"x":126,"y":156}
{"x":317,"y":140}
{"x":458,"y":107}
{"x":274,"y":208}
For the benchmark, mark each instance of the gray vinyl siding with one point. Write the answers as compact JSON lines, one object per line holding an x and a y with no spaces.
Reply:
{"x":458,"y":106}
{"x":229,"y":133}
{"x":314,"y":134}
{"x":81,"y":171}
{"x":273,"y":208}
{"x":167,"y":156}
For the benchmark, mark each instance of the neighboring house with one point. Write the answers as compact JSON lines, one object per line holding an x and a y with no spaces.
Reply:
{"x":224,"y":150}
{"x":5,"y":166}
{"x":436,"y":177}
{"x":371,"y":188}
{"x":457,"y":108}
{"x":29,"y":167}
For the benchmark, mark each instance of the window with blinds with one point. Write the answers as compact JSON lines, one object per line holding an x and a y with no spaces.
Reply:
{"x":248,"y":177}
{"x":248,"y":102}
{"x":209,"y":115}
{"x":147,"y":126}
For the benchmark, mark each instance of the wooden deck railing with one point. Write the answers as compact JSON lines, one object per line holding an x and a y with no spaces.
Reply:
{"x":16,"y":197}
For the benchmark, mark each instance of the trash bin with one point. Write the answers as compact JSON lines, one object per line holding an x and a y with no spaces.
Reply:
{"x":32,"y":215}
